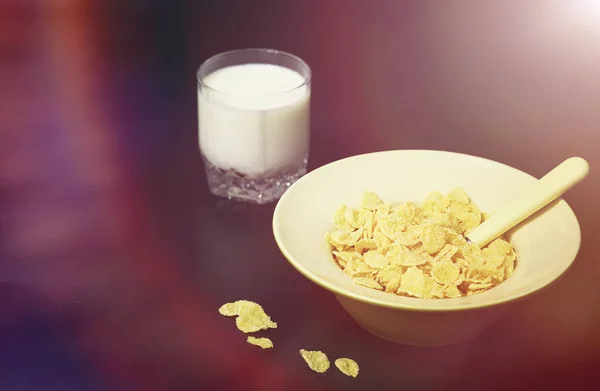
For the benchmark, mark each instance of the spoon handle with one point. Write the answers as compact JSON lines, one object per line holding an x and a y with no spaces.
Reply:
{"x":547,"y":189}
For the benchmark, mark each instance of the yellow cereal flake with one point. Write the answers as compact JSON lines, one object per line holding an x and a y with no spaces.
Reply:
{"x":509,"y":264}
{"x":435,"y":202}
{"x":413,"y":282}
{"x":431,"y":288}
{"x":382,"y":211}
{"x":391,"y":227}
{"x":371,"y":200}
{"x":394,"y":283}
{"x":339,"y":219}
{"x":387,"y":273}
{"x":347,"y":366}
{"x":338,"y":238}
{"x":357,"y":218}
{"x":496,"y":252}
{"x":433,"y":238}
{"x":445,"y":273}
{"x":437,"y":291}
{"x":365,"y":245}
{"x":478,"y":287}
{"x":410,"y":237}
{"x":250,"y":316}
{"x":463,"y":263}
{"x":410,"y":258}
{"x":393,"y":252}
{"x":465,"y":216}
{"x":382,"y":241}
{"x":437,"y":218}
{"x":375,"y":260}
{"x":368,"y":282}
{"x":409,"y":213}
{"x":264,"y":343}
{"x":316,"y":360}
{"x":446,"y":253}
{"x":343,"y":257}
{"x":459,"y":195}
{"x":230,"y":309}
{"x":417,"y":250}
{"x":452,"y":291}
{"x":358,"y":269}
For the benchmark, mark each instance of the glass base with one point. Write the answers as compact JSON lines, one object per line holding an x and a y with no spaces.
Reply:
{"x":257,"y":189}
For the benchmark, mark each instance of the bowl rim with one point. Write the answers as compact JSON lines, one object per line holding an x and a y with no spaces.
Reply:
{"x":332,"y":287}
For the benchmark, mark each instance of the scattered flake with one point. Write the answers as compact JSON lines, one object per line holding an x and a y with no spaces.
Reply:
{"x":347,"y":366}
{"x":230,"y":309}
{"x":250,"y":316}
{"x":316,"y":360}
{"x":264,"y":343}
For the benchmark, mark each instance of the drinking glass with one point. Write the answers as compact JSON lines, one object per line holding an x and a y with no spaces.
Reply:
{"x":253,"y":122}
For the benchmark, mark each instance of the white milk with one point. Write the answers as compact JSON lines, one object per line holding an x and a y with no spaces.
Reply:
{"x":258,"y":120}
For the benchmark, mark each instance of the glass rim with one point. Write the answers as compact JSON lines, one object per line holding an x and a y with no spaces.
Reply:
{"x":218,"y":56}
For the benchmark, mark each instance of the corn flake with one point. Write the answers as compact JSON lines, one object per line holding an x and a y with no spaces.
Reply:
{"x":375,"y":260}
{"x":250,"y":316}
{"x":413,"y":282}
{"x":230,"y":309}
{"x":410,"y":258}
{"x":347,"y":366}
{"x":410,"y":237}
{"x":445,"y":273}
{"x":341,"y":238}
{"x":343,"y":257}
{"x":357,"y":218}
{"x":433,"y":238}
{"x":264,"y":343}
{"x":368,"y":282}
{"x":365,"y":245}
{"x":371,"y":200}
{"x":340,"y":220}
{"x":452,"y":291}
{"x":358,"y":269}
{"x":478,"y":287}
{"x":394,"y":283}
{"x":459,"y":195}
{"x":316,"y":360}
{"x":387,"y":273}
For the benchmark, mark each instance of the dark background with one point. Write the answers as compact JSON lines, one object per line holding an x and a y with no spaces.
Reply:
{"x":114,"y":258}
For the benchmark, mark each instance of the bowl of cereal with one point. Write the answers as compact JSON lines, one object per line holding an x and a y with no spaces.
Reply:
{"x":385,"y":233}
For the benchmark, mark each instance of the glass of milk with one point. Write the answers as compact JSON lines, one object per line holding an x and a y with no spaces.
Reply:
{"x":253,"y":122}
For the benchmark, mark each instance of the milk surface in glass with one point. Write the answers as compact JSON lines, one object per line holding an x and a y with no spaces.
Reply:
{"x":256,"y":120}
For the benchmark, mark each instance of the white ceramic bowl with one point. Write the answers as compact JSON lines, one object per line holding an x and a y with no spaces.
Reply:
{"x":546,"y":244}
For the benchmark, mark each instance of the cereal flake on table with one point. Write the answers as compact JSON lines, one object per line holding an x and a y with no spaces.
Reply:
{"x":418,"y":250}
{"x":251,"y":317}
{"x":347,"y":366}
{"x":263,"y":342}
{"x":316,"y":360}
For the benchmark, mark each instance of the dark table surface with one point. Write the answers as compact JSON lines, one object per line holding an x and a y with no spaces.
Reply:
{"x":114,"y":257}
